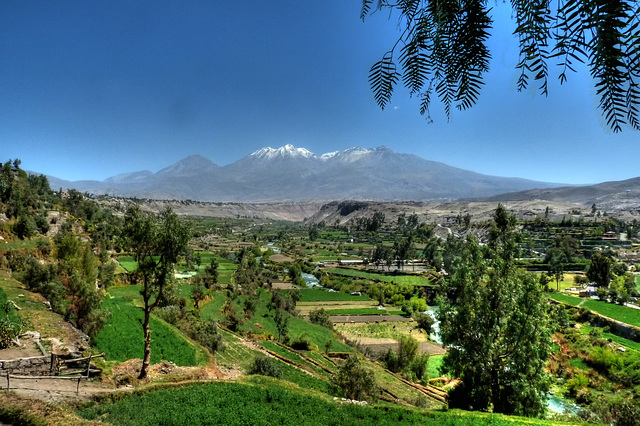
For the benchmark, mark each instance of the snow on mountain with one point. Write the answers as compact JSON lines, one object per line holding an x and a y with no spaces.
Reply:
{"x":328,"y":155}
{"x":353,"y":154}
{"x":287,"y":151}
{"x":297,"y":174}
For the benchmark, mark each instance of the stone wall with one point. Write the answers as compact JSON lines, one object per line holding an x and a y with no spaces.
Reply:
{"x":32,"y":366}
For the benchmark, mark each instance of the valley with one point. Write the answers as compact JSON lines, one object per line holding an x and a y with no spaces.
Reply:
{"x":295,"y":299}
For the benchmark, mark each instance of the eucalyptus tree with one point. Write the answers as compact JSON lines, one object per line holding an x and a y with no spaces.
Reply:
{"x":443,"y":50}
{"x":156,"y":243}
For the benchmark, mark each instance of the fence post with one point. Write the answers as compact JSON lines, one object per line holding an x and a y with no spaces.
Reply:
{"x":7,"y":380}
{"x":78,"y":387}
{"x":88,"y":365}
{"x":54,"y":360}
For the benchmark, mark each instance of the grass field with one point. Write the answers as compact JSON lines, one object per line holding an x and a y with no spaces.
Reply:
{"x":314,"y":295}
{"x":20,"y":244}
{"x":570,"y":300}
{"x":617,"y":312}
{"x":435,"y":362}
{"x":121,"y":338}
{"x":416,"y":280}
{"x":128,"y":263}
{"x":264,"y":401}
{"x":566,"y":282}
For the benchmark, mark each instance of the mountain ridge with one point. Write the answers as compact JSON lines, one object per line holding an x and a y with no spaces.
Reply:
{"x":296,"y":174}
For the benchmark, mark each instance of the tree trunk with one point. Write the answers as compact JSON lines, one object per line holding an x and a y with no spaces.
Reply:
{"x":147,"y":343}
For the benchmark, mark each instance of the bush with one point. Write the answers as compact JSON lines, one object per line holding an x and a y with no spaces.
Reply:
{"x":419,"y":367}
{"x":321,"y":317}
{"x":302,"y":343}
{"x":265,"y":366}
{"x":8,"y":332}
{"x":424,"y":321}
{"x":25,"y":227}
{"x":170,"y":314}
{"x":575,"y":384}
{"x":354,"y":381}
{"x":206,"y":333}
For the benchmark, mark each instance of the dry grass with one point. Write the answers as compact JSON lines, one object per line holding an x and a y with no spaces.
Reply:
{"x":27,"y":411}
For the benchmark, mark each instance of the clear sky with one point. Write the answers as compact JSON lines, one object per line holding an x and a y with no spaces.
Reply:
{"x":91,"y":89}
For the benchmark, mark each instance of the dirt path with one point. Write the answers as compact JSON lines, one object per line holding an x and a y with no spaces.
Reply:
{"x":54,"y":390}
{"x":368,"y":318}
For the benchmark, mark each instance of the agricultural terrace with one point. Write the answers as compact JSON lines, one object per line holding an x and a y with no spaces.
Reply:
{"x":569,"y":300}
{"x":314,"y":294}
{"x":226,"y":267}
{"x":262,"y":322}
{"x":415,"y":280}
{"x":261,"y":400}
{"x":629,"y":344}
{"x":617,"y":312}
{"x":121,"y":338}
{"x":336,"y":303}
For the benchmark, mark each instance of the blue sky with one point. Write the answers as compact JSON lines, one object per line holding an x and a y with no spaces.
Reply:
{"x":92,"y":89}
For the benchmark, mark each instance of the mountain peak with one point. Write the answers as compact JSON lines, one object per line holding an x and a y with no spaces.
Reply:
{"x":287,"y":151}
{"x":192,"y":164}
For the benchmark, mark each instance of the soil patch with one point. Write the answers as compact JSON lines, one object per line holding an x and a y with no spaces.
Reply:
{"x":368,"y":318}
{"x":280,"y":258}
{"x":281,"y":285}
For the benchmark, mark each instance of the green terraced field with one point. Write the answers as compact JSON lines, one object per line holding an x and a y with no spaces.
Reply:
{"x":416,"y":280}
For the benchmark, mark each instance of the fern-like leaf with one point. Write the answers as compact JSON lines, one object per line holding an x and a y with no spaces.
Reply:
{"x":382,"y":78}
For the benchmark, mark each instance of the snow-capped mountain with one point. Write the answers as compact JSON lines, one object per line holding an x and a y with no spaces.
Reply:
{"x":287,"y":151}
{"x":297,"y":174}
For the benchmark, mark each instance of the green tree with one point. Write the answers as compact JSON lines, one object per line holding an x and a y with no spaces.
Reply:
{"x":198,"y":293}
{"x":599,"y":270}
{"x":556,"y":259}
{"x":443,"y":48}
{"x":282,"y":325}
{"x":25,"y":227}
{"x":354,"y":381}
{"x":424,"y":322}
{"x":156,"y":243}
{"x":495,"y":325}
{"x":321,"y":317}
{"x":211,"y":274}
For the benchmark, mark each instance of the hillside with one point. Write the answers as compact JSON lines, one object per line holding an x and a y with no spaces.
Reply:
{"x":610,"y":196}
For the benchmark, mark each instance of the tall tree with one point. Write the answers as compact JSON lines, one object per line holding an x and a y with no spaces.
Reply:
{"x":443,"y":48}
{"x":600,"y":270}
{"x":156,"y":243}
{"x":495,"y":325}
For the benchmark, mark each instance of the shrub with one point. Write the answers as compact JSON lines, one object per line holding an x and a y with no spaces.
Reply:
{"x":25,"y":227}
{"x":170,"y":314}
{"x":44,"y":247}
{"x":265,"y":366}
{"x":302,"y":343}
{"x":354,"y":381}
{"x":8,"y":332}
{"x":400,"y":360}
{"x":424,"y":321}
{"x":575,"y":384}
{"x":321,"y":317}
{"x":419,"y":367}
{"x":206,"y":333}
